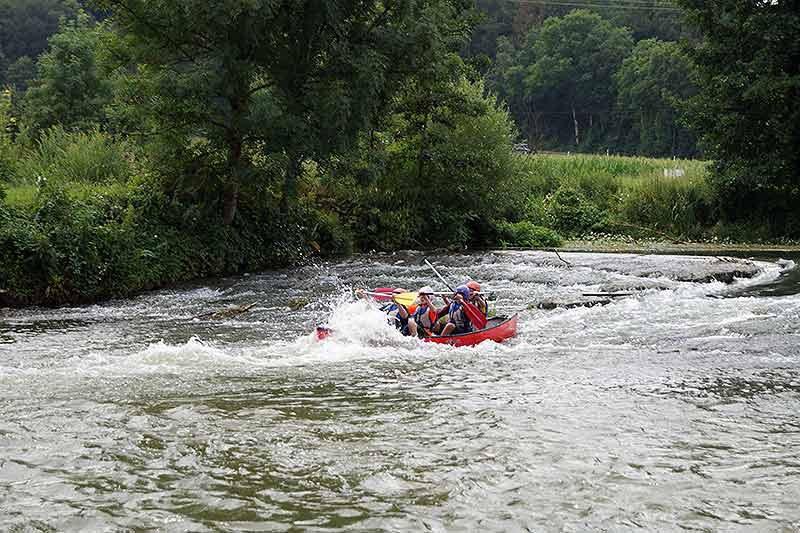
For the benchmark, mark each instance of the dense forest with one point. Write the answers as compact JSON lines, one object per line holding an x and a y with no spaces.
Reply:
{"x":144,"y":142}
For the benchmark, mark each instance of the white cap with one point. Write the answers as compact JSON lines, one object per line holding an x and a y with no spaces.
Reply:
{"x":426,"y":290}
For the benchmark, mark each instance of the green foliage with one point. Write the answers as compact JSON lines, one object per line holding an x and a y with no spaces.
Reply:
{"x":650,"y":81}
{"x":65,"y":248}
{"x":526,"y":234}
{"x":305,"y":79}
{"x":8,"y":151}
{"x":625,"y":195}
{"x":62,"y":157}
{"x":574,"y":58}
{"x":676,"y":207}
{"x":747,"y":111}
{"x":452,"y":168}
{"x":72,"y":85}
{"x":570,"y":211}
{"x":20,"y":73}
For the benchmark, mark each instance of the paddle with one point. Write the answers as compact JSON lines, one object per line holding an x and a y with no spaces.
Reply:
{"x":439,"y":275}
{"x":403,"y":298}
{"x":473,"y":313}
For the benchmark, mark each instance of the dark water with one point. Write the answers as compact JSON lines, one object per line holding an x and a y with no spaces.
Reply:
{"x":674,"y":409}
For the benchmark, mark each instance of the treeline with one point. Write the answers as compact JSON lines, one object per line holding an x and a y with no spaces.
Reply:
{"x":148,"y":142}
{"x":607,"y":77}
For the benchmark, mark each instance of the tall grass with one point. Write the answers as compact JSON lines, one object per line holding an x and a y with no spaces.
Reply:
{"x":616,"y":193}
{"x":81,"y":157}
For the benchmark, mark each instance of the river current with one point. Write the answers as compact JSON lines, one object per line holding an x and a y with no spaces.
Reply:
{"x":674,"y":408}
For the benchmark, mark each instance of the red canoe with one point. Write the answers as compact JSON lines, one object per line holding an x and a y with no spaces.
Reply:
{"x":498,"y":329}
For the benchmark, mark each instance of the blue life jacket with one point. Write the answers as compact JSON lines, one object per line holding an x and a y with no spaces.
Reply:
{"x":422,"y":316}
{"x":392,"y":311}
{"x":458,"y":317}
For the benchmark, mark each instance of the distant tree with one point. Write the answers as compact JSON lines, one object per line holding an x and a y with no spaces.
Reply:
{"x":649,"y":19}
{"x":747,"y":111}
{"x":573,"y":61}
{"x":507,"y":80}
{"x":650,"y":84}
{"x":25,"y":26}
{"x":71,"y":87}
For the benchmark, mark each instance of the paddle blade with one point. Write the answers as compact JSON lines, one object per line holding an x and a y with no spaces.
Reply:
{"x":381,"y":293}
{"x":406,"y":298}
{"x":474,"y":314}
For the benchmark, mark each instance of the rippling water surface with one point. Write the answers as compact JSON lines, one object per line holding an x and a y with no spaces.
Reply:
{"x":675,"y":408}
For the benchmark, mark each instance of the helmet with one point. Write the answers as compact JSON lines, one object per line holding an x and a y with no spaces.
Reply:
{"x":474,"y":286}
{"x":426,"y":290}
{"x":399,"y":290}
{"x":463,"y":290}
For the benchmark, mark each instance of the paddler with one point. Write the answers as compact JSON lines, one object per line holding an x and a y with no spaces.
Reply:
{"x":457,"y":320}
{"x":423,"y":318}
{"x":396,"y":313}
{"x":477,"y":298}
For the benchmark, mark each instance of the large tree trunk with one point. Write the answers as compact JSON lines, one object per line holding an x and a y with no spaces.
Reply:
{"x":236,"y":157}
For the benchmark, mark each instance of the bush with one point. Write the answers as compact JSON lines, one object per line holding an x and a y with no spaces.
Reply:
{"x":677,"y":207}
{"x":65,"y":249}
{"x":452,"y":172}
{"x":570,"y":211}
{"x":527,"y":234}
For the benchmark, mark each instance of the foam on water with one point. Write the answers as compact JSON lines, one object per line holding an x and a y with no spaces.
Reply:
{"x":361,"y":331}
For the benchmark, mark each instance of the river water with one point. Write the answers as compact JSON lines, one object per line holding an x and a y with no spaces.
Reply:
{"x":676,"y":408}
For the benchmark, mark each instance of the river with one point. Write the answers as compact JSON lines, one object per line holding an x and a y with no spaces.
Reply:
{"x":675,"y":408}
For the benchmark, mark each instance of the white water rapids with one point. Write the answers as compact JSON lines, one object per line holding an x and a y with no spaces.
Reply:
{"x":674,"y":408}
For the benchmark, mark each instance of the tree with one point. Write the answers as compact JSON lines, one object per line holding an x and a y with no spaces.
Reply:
{"x":747,"y":111}
{"x":574,"y":58}
{"x":449,"y":162}
{"x":72,"y":85}
{"x":650,"y":83}
{"x":300,"y":78}
{"x":25,"y":26}
{"x":20,"y":73}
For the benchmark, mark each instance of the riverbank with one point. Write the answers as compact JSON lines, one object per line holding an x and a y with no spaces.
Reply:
{"x":666,"y":247}
{"x":68,"y":240}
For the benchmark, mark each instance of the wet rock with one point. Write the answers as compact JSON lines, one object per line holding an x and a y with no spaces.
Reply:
{"x":550,"y":305}
{"x":693,"y":269}
{"x":296,"y":304}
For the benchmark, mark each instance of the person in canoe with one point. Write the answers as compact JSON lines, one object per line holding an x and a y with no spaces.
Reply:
{"x":397,"y":313}
{"x":457,"y":320}
{"x":423,"y":319}
{"x":477,"y":298}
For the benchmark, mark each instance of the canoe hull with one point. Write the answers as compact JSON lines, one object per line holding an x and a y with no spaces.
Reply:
{"x":498,"y":329}
{"x":322,"y":333}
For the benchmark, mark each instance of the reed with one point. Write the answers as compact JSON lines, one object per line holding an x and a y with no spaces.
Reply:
{"x":81,"y":157}
{"x":670,"y":196}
